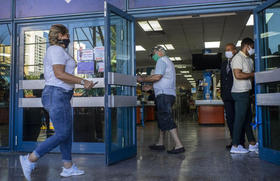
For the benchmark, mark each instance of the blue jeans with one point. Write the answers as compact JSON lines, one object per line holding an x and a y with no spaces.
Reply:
{"x":56,"y":101}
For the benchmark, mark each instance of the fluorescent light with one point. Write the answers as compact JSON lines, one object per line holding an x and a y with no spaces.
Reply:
{"x":169,"y":46}
{"x":144,"y":73}
{"x":172,"y":58}
{"x":155,"y":25}
{"x":188,"y":76}
{"x":250,"y":21}
{"x":268,"y":16}
{"x":238,"y":44}
{"x":190,"y":79}
{"x":212,"y":44}
{"x":184,"y":72}
{"x":145,"y":25}
{"x":178,"y":58}
{"x":180,"y":66}
{"x":139,"y":48}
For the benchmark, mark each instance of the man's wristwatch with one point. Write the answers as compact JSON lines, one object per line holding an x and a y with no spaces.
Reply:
{"x":82,"y":82}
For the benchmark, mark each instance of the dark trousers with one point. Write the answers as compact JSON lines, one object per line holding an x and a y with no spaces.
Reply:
{"x":229,"y":109}
{"x":243,"y":117}
{"x":164,"y":105}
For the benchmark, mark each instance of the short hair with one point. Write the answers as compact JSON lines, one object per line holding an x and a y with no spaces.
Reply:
{"x":54,"y":31}
{"x":157,"y":48}
{"x":246,"y":41}
{"x":231,"y":44}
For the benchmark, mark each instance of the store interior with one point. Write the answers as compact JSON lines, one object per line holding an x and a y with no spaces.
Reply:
{"x":196,"y":45}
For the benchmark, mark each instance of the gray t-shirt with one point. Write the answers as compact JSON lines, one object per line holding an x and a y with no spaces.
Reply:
{"x":167,"y":84}
{"x":56,"y":55}
{"x":244,"y":63}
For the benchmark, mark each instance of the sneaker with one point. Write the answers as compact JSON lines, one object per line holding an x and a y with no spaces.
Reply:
{"x":67,"y":172}
{"x":254,"y":148}
{"x":26,"y":166}
{"x":239,"y":149}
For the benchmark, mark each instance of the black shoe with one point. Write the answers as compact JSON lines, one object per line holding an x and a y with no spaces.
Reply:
{"x":176,"y":151}
{"x":229,"y":146}
{"x":157,"y":147}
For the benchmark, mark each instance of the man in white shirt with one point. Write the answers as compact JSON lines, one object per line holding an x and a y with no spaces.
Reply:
{"x":164,"y":84}
{"x":243,"y":74}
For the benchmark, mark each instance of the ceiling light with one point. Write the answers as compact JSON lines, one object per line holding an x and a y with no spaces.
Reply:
{"x":178,"y":58}
{"x":172,"y":59}
{"x":212,"y":44}
{"x":238,"y":44}
{"x":180,"y":66}
{"x":144,"y":73}
{"x":155,"y":25}
{"x":188,"y":76}
{"x":145,"y":25}
{"x":184,"y":72}
{"x":190,"y":79}
{"x":169,"y":46}
{"x":250,"y":21}
{"x":139,"y":48}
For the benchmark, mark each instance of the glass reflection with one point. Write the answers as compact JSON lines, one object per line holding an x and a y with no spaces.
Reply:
{"x":270,"y":38}
{"x":5,"y":62}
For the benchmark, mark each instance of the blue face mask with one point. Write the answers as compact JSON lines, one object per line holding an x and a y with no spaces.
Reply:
{"x":155,"y":57}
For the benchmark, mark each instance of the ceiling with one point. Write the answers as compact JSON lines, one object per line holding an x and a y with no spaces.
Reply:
{"x":188,"y":37}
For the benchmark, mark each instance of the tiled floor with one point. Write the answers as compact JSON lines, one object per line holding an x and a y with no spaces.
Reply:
{"x":205,"y":159}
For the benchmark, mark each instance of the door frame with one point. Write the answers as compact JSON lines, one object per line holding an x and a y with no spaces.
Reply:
{"x":131,"y":151}
{"x":264,"y":153}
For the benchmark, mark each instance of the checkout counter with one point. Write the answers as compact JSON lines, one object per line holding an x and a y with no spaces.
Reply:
{"x":145,"y":111}
{"x":210,"y":108}
{"x":210,"y":111}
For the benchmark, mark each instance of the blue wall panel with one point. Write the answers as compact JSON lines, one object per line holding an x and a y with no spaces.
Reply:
{"x":37,"y":8}
{"x":5,"y":9}
{"x":134,"y":4}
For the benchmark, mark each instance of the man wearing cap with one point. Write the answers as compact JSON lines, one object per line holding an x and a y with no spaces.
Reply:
{"x":164,"y":84}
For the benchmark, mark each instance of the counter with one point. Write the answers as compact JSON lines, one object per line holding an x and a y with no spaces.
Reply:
{"x":210,"y":111}
{"x":149,"y":112}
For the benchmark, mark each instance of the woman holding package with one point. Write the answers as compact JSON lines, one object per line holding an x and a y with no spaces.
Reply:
{"x":59,"y":68}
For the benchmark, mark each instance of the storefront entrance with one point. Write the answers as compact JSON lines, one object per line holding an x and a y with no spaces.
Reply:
{"x":104,"y":117}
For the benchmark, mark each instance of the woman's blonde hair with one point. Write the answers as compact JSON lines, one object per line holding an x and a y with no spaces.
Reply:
{"x":54,"y":31}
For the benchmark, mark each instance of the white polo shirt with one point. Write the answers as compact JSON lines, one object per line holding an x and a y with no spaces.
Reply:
{"x":57,"y":55}
{"x":246,"y":65}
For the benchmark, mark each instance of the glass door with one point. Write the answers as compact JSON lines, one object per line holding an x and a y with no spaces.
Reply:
{"x":120,"y":81}
{"x":33,"y":123}
{"x":267,"y":78}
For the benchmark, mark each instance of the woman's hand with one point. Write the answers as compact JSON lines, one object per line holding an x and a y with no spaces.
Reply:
{"x":88,"y":84}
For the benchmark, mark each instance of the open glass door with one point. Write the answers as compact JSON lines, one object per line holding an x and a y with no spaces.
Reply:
{"x":120,"y":89}
{"x":267,"y":78}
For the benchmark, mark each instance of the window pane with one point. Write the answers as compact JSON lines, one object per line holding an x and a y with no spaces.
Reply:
{"x":271,"y":127}
{"x":270,"y":38}
{"x":5,"y":65}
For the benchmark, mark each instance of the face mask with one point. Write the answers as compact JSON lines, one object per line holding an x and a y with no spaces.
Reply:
{"x":251,"y":51}
{"x":228,"y":54}
{"x":65,"y":42}
{"x":155,"y":57}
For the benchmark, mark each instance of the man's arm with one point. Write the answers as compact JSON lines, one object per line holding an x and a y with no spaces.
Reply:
{"x":242,"y":75}
{"x":151,"y":78}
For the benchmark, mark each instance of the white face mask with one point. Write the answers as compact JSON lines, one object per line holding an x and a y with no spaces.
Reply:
{"x":251,"y":51}
{"x":228,"y":54}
